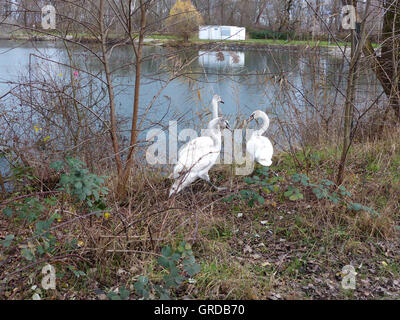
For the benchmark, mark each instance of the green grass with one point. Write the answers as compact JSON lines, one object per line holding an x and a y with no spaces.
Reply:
{"x":195,"y":39}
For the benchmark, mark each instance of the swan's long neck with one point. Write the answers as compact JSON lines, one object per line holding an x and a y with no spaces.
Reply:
{"x":215,"y":108}
{"x":215,"y":132}
{"x":264,"y":126}
{"x":215,"y":116}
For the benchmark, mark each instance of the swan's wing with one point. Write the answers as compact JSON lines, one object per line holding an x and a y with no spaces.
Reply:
{"x":198,"y":142}
{"x":183,"y":155}
{"x":194,"y":144}
{"x":261,"y":149}
{"x":199,"y":158}
{"x":195,"y":156}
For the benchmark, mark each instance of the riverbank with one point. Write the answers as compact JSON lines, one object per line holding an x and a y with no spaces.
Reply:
{"x":172,"y":41}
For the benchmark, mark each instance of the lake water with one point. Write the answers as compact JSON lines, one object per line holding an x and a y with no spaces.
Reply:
{"x":245,"y":80}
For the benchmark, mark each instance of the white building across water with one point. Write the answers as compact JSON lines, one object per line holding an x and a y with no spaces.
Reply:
{"x":222,"y":33}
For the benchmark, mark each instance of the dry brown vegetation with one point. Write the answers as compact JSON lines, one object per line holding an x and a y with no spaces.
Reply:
{"x":279,"y":250}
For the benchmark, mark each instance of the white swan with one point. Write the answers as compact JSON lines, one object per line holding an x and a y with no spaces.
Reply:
{"x":216,"y":98}
{"x":259,"y":147}
{"x":197,"y":157}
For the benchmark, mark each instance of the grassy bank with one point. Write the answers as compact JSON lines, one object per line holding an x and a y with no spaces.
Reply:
{"x":271,"y":235}
{"x":169,"y":39}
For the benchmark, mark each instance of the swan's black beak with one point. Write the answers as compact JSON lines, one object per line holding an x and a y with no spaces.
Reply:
{"x":229,"y":127}
{"x":222,"y":101}
{"x":250,"y":118}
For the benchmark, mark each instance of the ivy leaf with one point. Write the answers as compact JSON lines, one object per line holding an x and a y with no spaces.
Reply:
{"x":248,"y":180}
{"x":344,"y":192}
{"x":334,"y":198}
{"x":263,"y":171}
{"x":7,"y":240}
{"x":162,"y":292}
{"x":296,"y":196}
{"x":355,"y":206}
{"x":166,"y":251}
{"x":244,"y":193}
{"x":57,"y":165}
{"x":228,"y":199}
{"x":251,"y":203}
{"x":163,"y":261}
{"x":113,"y":296}
{"x":187,"y":245}
{"x":173,"y":280}
{"x":288,"y":193}
{"x":300,"y":178}
{"x":8,"y":212}
{"x":27,"y":254}
{"x":192,"y":269}
{"x":141,"y":287}
{"x":327,"y":182}
{"x":175,"y":257}
{"x":124,"y":293}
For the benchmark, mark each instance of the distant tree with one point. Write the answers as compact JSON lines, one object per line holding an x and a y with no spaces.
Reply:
{"x":184,"y":19}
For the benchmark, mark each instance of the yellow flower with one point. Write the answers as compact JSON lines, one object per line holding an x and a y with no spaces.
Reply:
{"x":106,"y":215}
{"x":80,"y":243}
{"x":47,"y":138}
{"x":59,"y":220}
{"x":384,"y":263}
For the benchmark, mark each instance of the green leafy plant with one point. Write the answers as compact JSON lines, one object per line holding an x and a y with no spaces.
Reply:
{"x":29,"y":211}
{"x":7,"y":241}
{"x":180,"y":266}
{"x":122,"y":294}
{"x":80,"y":183}
{"x":264,"y":184}
{"x":327,"y":189}
{"x":293,"y":194}
{"x":23,"y":176}
{"x":76,"y":181}
{"x":77,"y":273}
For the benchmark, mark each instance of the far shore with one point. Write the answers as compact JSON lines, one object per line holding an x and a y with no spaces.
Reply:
{"x":171,"y":41}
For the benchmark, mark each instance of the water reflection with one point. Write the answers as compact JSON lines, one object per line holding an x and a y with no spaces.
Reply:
{"x":221,"y":59}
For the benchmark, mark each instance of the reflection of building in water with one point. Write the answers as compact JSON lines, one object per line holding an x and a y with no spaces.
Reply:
{"x":222,"y":33}
{"x":221,"y":58}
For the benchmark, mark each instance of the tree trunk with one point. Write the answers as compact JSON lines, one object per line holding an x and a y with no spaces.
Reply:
{"x":261,"y":10}
{"x":350,"y":95}
{"x":124,"y":177}
{"x":113,"y":125}
{"x":385,"y":66}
